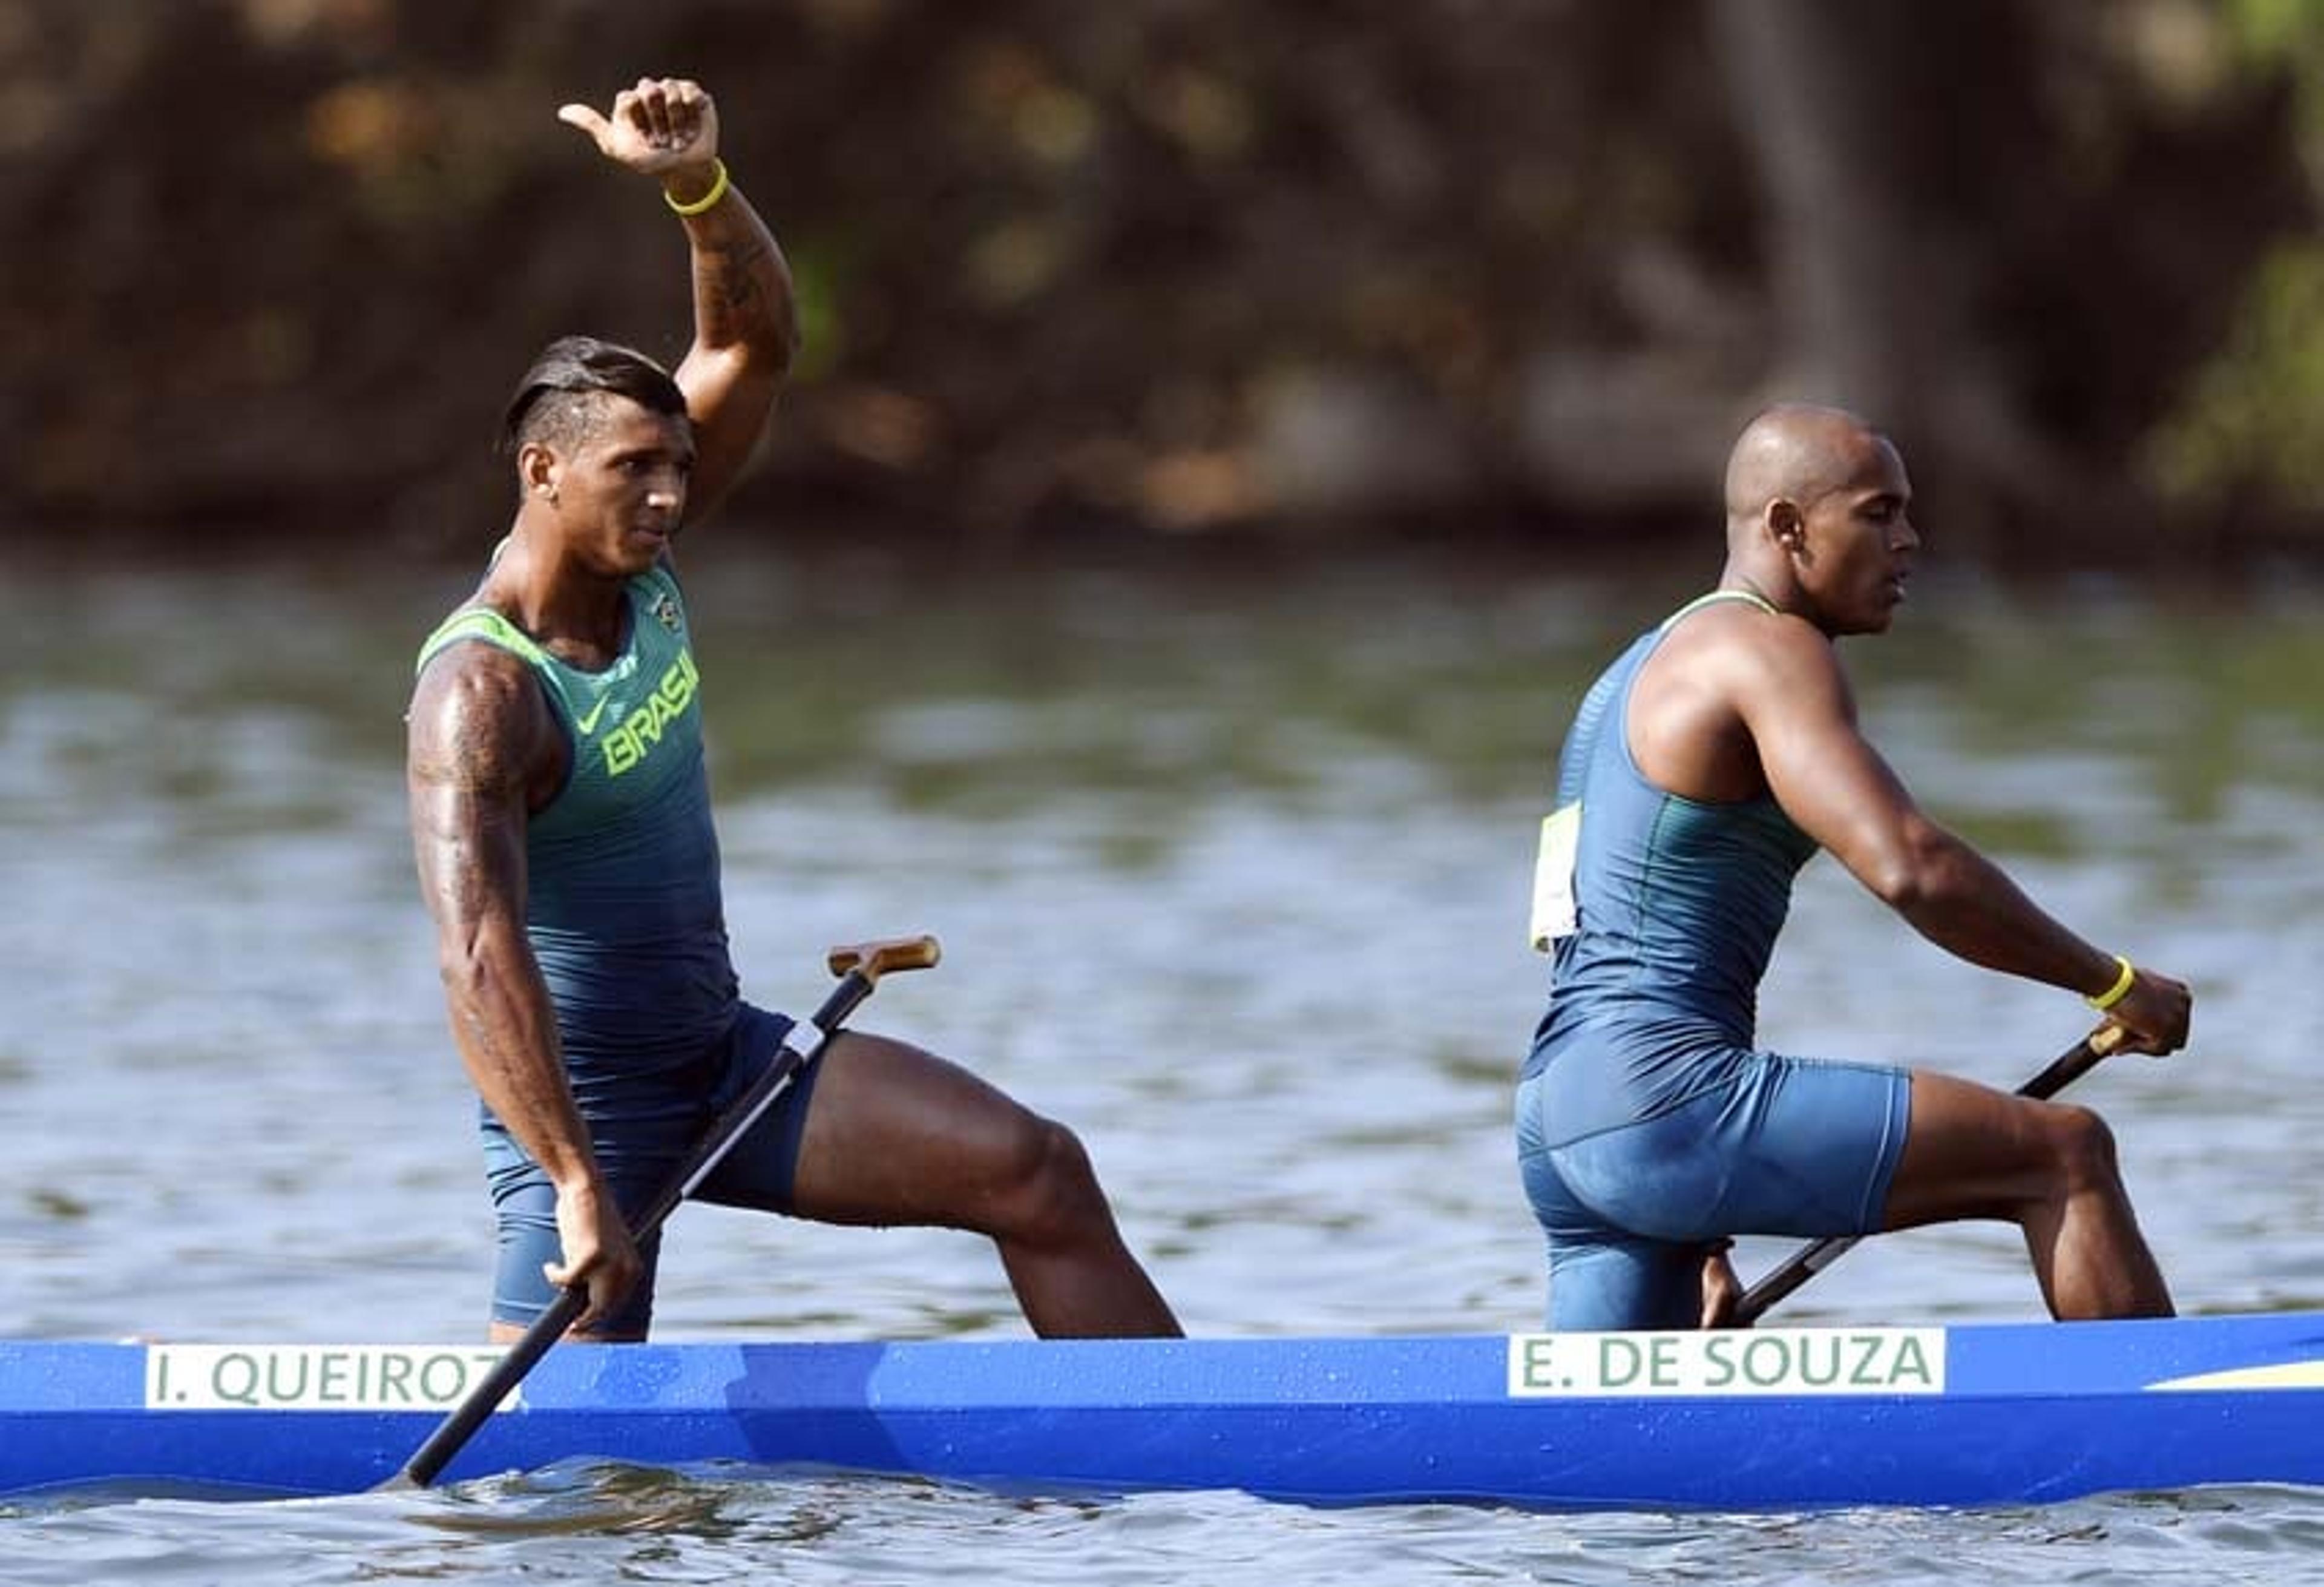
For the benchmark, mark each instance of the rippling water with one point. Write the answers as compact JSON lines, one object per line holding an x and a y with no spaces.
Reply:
{"x":1232,"y":879}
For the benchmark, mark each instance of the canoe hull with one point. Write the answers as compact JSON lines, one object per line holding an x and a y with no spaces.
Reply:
{"x":1808,"y":1418}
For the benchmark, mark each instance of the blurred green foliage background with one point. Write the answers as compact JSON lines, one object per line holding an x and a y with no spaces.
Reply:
{"x":1311,"y":269}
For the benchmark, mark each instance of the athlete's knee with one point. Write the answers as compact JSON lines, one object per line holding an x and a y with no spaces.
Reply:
{"x":2084,"y":1148}
{"x":1045,"y":1192}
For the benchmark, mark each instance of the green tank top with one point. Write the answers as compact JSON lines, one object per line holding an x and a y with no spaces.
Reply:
{"x":622,"y":903}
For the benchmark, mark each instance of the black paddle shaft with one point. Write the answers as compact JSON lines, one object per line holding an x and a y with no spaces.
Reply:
{"x":859,"y":971}
{"x":1810,"y":1259}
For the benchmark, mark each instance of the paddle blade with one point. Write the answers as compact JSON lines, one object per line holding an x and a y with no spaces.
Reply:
{"x":871,"y":960}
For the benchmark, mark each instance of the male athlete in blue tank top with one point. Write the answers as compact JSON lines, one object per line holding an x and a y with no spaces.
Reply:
{"x":1702,"y":770}
{"x":562,"y":821}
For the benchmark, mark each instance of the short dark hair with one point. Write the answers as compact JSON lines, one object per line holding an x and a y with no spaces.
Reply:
{"x":557,"y":401}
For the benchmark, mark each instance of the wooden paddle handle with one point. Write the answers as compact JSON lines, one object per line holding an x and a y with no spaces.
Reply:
{"x":2087,"y":1055}
{"x":871,"y":960}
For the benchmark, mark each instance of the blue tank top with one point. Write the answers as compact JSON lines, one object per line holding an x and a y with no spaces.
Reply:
{"x":1677,"y":902}
{"x":622,"y":906}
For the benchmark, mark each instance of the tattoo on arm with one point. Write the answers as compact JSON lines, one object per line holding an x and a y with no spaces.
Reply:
{"x":745,"y":334}
{"x":467,"y":788}
{"x":732,"y":297}
{"x":479,"y":731}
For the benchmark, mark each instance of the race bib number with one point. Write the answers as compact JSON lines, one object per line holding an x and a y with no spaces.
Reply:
{"x":1554,"y":913}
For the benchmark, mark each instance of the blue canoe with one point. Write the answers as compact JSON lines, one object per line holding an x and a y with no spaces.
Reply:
{"x":1777,"y":1419}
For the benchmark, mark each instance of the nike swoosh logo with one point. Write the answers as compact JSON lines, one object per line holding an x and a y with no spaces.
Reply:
{"x":588,"y":724}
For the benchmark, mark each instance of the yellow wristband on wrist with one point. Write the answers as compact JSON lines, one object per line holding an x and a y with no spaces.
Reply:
{"x":718,"y":185}
{"x":2120,"y":989}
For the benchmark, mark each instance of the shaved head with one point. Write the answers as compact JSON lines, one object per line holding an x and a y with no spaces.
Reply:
{"x":1796,"y":452}
{"x":1818,"y":518}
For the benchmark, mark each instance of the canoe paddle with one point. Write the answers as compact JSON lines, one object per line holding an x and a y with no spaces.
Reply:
{"x":1806,"y":1262}
{"x":859,"y":967}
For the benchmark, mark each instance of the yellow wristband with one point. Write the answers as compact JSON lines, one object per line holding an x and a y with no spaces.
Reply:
{"x":717,"y":190}
{"x":2121,"y":987}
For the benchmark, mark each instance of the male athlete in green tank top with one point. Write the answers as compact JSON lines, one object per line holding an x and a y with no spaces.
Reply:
{"x":622,"y":903}
{"x":561,"y":823}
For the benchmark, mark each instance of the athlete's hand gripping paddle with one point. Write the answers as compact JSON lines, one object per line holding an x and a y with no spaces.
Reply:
{"x":859,"y":967}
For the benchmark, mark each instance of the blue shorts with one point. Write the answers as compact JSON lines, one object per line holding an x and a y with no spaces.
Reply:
{"x":1784,"y":1146}
{"x":641,"y":1136}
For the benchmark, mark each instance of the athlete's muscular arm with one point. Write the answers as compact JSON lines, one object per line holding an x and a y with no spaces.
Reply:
{"x":1787,"y":686}
{"x":479,"y":734}
{"x":745,"y":319}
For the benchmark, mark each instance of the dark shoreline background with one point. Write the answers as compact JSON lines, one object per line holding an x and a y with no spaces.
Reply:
{"x":1316,"y":276}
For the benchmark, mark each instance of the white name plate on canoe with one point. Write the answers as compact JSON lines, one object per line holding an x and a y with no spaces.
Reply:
{"x":1727,"y":1361}
{"x":315,"y":1377}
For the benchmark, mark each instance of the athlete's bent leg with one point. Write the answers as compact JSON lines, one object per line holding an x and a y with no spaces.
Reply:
{"x":896,"y":1135}
{"x":1974,"y":1152}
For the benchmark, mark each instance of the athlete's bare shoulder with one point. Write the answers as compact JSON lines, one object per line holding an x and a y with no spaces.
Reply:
{"x":1718,"y":677}
{"x":479,"y":724}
